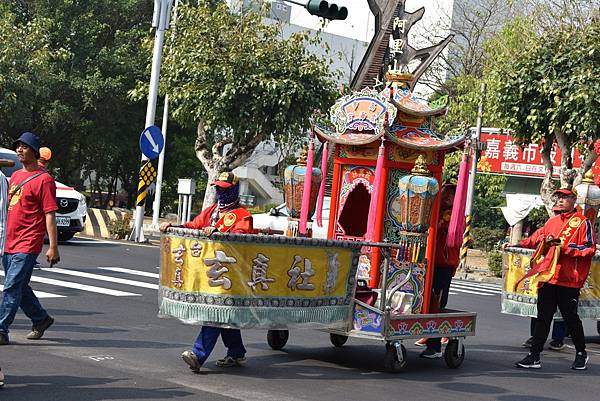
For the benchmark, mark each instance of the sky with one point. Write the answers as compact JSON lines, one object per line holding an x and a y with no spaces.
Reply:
{"x":360,"y":22}
{"x":358,"y":25}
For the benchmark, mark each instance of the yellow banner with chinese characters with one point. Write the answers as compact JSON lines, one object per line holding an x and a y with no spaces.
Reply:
{"x":522,"y":300}
{"x":256,"y":281}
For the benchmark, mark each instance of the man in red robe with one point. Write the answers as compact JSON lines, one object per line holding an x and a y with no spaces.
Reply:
{"x":562,"y":260}
{"x":226,"y":216}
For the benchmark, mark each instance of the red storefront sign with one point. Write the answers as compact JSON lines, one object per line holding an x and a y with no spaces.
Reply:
{"x":503,"y":156}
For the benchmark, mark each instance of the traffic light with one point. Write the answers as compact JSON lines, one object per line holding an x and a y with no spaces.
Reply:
{"x":323,"y":9}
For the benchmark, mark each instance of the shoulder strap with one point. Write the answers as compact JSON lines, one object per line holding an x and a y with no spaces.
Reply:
{"x":25,"y":181}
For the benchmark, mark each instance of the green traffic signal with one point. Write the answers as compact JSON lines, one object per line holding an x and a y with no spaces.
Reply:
{"x":323,"y":9}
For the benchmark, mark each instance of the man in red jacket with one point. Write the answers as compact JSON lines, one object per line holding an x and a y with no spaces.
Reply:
{"x":226,"y":216}
{"x":562,"y":260}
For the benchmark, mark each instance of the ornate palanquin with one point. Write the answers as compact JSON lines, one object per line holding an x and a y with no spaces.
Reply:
{"x":522,"y":300}
{"x":262,"y":281}
{"x":390,"y":129}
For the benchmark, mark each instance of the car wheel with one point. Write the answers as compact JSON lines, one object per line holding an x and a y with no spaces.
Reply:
{"x":65,"y":236}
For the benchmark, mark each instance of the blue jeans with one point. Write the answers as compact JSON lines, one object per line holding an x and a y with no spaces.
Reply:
{"x":17,"y":292}
{"x":207,"y":338}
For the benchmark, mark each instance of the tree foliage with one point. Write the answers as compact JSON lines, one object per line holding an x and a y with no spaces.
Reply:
{"x":236,"y":81}
{"x":550,"y":94}
{"x":76,"y":61}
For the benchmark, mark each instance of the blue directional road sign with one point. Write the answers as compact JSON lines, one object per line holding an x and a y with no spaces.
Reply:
{"x":151,"y":142}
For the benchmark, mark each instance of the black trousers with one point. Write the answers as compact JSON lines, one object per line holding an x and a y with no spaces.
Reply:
{"x":551,"y":297}
{"x":442,"y":277}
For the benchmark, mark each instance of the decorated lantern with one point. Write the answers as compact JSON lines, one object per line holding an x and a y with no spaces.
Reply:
{"x":293,"y":188}
{"x":417,"y":193}
{"x":588,"y":197}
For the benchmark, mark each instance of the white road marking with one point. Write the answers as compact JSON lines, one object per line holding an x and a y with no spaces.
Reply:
{"x":41,"y":294}
{"x":83,"y":287}
{"x":459,"y":287}
{"x":478,"y":284}
{"x":131,"y":271}
{"x":103,"y":278}
{"x":470,"y":292}
{"x":86,"y":240}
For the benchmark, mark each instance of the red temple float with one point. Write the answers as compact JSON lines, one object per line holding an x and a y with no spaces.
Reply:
{"x":388,"y":163}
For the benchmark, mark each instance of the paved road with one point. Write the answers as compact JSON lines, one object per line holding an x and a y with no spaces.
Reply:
{"x":107,"y":344}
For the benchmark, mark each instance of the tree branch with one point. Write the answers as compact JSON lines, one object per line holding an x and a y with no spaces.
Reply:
{"x":547,"y":185}
{"x":567,"y":174}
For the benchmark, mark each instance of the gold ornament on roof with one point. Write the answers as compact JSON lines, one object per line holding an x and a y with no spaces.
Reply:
{"x":421,"y":167}
{"x":301,"y":160}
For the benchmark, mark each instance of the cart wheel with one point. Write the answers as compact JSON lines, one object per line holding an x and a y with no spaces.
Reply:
{"x":391,"y":362}
{"x":277,"y":338}
{"x":338,"y":340}
{"x":451,"y":357}
{"x":598,"y":326}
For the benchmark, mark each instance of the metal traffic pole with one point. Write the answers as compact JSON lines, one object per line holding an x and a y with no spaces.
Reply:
{"x":471,"y":185}
{"x":160,"y":21}
{"x":161,"y":158}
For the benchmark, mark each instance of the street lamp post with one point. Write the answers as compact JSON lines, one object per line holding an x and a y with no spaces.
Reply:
{"x":160,"y":21}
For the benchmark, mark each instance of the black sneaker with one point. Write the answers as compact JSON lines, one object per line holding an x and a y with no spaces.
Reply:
{"x":430,"y":353}
{"x":581,"y":359}
{"x":37,"y":330}
{"x":529,"y":362}
{"x":528,"y":343}
{"x":556,"y":345}
{"x":4,"y":339}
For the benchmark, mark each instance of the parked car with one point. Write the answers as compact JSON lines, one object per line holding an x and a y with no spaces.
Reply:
{"x":277,"y":219}
{"x":72,"y":209}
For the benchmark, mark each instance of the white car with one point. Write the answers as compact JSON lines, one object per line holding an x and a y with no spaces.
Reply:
{"x":277,"y":219}
{"x":72,"y":209}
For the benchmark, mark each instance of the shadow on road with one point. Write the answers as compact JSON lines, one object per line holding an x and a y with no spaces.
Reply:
{"x":60,"y":387}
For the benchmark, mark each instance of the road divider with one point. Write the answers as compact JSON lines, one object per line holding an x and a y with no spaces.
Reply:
{"x":98,"y":220}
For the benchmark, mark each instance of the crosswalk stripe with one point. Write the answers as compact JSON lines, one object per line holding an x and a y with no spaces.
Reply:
{"x":477,"y":284}
{"x":130,"y":271}
{"x":103,"y":278}
{"x":458,"y":287}
{"x":470,"y":292}
{"x":40,"y":294}
{"x":77,"y":286}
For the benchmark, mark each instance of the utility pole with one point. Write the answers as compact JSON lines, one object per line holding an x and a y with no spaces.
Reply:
{"x":476,"y":147}
{"x":160,"y":21}
{"x":161,"y":158}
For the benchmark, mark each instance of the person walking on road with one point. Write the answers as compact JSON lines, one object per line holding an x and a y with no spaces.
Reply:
{"x":559,"y":332}
{"x":561,"y":261}
{"x":3,"y":206}
{"x":31,"y":213}
{"x":446,"y":262}
{"x":225,"y":216}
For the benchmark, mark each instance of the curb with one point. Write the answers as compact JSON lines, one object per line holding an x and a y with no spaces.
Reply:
{"x":96,"y":224}
{"x":480,"y":276}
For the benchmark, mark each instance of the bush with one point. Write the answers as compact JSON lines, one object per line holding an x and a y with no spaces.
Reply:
{"x":495,"y":263}
{"x":487,"y":239}
{"x":262,"y":209}
{"x":120,"y":228}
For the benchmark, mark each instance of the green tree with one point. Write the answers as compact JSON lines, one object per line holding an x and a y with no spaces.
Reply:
{"x":80,"y":106}
{"x":26,"y":74}
{"x":236,"y":81}
{"x":550,"y":95}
